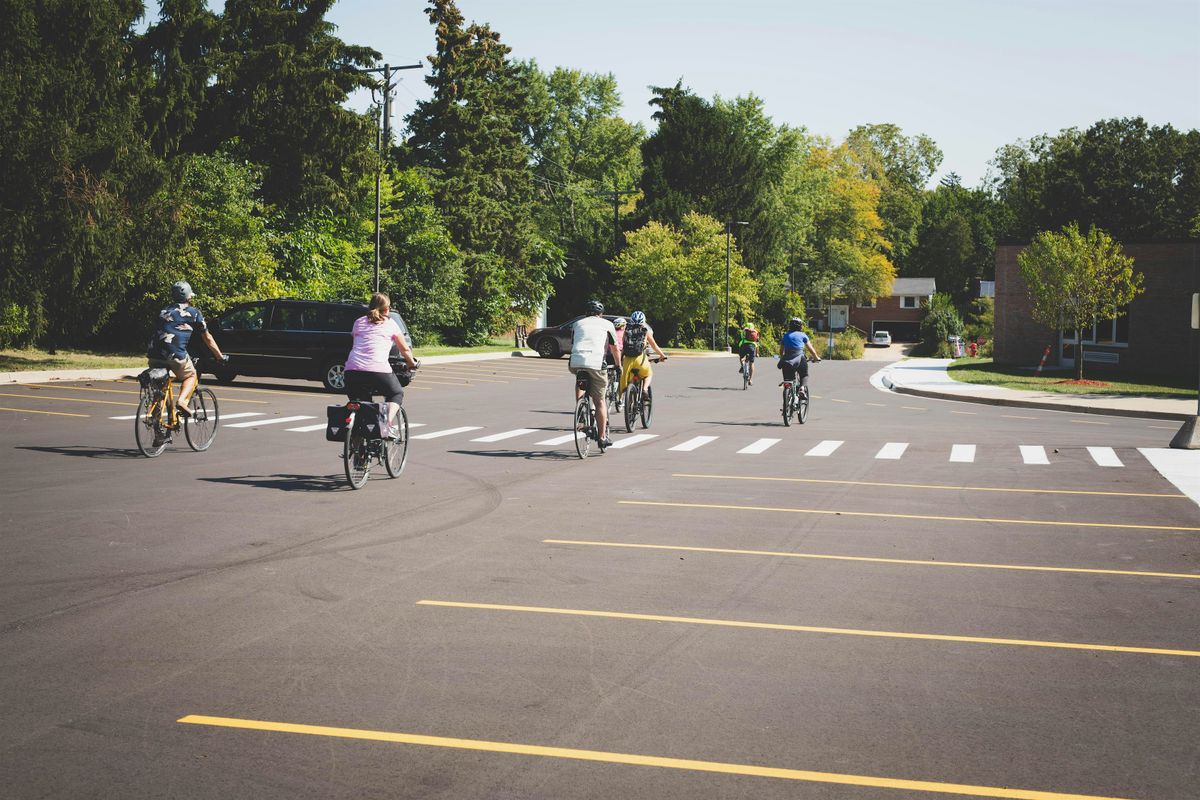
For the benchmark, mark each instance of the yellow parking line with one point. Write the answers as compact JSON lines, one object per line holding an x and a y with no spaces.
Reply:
{"x":633,"y":759}
{"x":79,"y":388}
{"x":924,"y":486}
{"x":878,"y":405}
{"x":914,"y":408}
{"x":125,"y":391}
{"x":775,"y":626}
{"x":1016,"y":416}
{"x":836,"y":400}
{"x":28,"y":396}
{"x":965,"y":413}
{"x":872,"y":560}
{"x":1086,"y":422}
{"x":55,"y":413}
{"x":472,"y":373}
{"x":457,"y":376}
{"x":930,"y":517}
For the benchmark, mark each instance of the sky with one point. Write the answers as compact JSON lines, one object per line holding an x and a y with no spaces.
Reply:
{"x":974,"y":75}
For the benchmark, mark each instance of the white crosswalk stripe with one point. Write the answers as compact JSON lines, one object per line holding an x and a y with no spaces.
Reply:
{"x":306,"y":428}
{"x":570,"y":437}
{"x":447,"y":432}
{"x":499,"y":437}
{"x":825,"y":448}
{"x":1105,"y":456}
{"x":1033,"y":454}
{"x":892,"y":450}
{"x":962,"y":453}
{"x":693,"y":443}
{"x":631,"y":440}
{"x":760,"y":446}
{"x":256,"y":422}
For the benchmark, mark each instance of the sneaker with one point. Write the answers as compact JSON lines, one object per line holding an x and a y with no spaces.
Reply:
{"x":606,"y":442}
{"x":749,"y":383}
{"x":182,"y":412}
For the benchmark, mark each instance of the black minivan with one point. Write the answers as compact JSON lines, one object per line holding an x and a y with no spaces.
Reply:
{"x":286,"y":338}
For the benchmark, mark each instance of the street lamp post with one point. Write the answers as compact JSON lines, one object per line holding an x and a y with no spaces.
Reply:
{"x":728,"y":231}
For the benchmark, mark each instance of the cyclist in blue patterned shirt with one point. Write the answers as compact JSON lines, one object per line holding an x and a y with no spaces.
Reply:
{"x":169,"y":346}
{"x":792,"y":353}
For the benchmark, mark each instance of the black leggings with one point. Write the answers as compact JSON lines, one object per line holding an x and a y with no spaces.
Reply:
{"x":362,"y":385}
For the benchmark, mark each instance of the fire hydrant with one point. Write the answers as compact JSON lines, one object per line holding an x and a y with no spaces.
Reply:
{"x":972,"y":349}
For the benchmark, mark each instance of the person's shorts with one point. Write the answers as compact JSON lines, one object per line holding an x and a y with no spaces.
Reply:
{"x":597,"y":382}
{"x":749,"y":351}
{"x":180,"y":368}
{"x":363,"y":385}
{"x":793,"y":367}
{"x":629,"y":363}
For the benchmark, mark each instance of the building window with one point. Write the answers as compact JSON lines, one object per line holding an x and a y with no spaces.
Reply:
{"x":1112,"y":332}
{"x":910,"y":301}
{"x":866,"y":304}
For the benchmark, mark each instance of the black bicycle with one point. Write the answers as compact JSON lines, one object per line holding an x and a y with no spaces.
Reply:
{"x":796,"y":400}
{"x":362,"y":448}
{"x":639,"y":399}
{"x":586,"y":428}
{"x":612,"y":394}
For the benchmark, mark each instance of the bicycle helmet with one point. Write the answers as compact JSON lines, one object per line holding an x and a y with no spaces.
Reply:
{"x":181,"y":292}
{"x":594,"y":307}
{"x":637,"y":318}
{"x":619,"y":322}
{"x":796,"y":324}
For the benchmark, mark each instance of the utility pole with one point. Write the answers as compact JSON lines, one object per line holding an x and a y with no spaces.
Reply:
{"x":616,"y":195}
{"x":383,"y":135}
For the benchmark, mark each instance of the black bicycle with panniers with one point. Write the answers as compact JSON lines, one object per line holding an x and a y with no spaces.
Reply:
{"x":368,"y":438}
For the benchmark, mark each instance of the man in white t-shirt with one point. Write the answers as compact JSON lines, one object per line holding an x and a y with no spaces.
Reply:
{"x":591,"y":336}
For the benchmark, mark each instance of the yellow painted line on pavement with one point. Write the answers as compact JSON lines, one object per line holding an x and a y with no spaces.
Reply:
{"x":633,"y":759}
{"x":776,"y":626}
{"x":28,"y":396}
{"x":1017,"y":416}
{"x":914,"y":408}
{"x":965,"y":413}
{"x":929,"y":517}
{"x":66,"y":387}
{"x":873,"y":560}
{"x":54,"y":413}
{"x":1086,"y":422}
{"x":1163,"y":427}
{"x":878,"y":405}
{"x":836,"y":400}
{"x":924,"y":486}
{"x":459,"y":376}
{"x":223,"y":399}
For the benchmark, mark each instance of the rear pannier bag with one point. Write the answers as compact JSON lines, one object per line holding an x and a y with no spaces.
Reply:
{"x":335,"y":428}
{"x":371,"y":420}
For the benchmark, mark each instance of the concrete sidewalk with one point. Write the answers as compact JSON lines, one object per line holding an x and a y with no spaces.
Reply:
{"x":927,"y":377}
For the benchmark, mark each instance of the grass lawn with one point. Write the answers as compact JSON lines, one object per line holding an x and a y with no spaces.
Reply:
{"x":37,"y":360}
{"x":982,"y":370}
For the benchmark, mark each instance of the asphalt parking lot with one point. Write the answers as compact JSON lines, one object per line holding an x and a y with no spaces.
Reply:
{"x":900,"y":598}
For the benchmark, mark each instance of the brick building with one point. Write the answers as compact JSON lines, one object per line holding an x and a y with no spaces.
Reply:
{"x":899,"y":313}
{"x":1154,"y":338}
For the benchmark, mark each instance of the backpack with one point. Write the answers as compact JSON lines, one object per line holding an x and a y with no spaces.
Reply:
{"x":751,"y":335}
{"x":635,"y":340}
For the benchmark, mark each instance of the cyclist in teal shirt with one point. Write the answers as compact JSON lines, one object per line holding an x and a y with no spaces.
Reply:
{"x":792,"y":349}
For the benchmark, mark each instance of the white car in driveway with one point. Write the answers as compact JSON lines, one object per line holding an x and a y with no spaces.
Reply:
{"x":881,"y":339}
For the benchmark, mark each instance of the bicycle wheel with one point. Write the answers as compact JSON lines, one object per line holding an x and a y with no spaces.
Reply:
{"x":647,"y":410}
{"x":788,"y":394}
{"x":802,"y":406}
{"x":201,"y":428}
{"x":633,"y":396}
{"x":611,"y":394}
{"x":147,"y":426}
{"x":584,"y":424}
{"x":745,"y":376}
{"x":395,"y":450}
{"x":357,"y":460}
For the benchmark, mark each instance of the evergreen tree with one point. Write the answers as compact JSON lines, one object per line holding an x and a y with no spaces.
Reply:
{"x":468,"y":139}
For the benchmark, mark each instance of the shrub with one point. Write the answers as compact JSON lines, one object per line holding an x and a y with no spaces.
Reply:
{"x":941,"y":321}
{"x":14,"y":325}
{"x":848,"y":346}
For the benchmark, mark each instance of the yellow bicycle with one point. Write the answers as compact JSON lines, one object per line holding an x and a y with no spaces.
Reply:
{"x":157,"y":418}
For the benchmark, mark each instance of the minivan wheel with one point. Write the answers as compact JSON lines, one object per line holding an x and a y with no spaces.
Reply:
{"x":334,"y":377}
{"x":548,"y":348}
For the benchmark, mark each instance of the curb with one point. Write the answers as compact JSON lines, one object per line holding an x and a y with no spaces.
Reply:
{"x":1018,"y":403}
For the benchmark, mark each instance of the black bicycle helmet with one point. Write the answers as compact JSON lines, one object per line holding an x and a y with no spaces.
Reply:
{"x":181,"y":292}
{"x":796,"y":324}
{"x":595,"y":307}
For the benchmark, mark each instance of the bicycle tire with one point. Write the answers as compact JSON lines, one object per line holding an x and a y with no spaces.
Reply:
{"x":611,"y":393}
{"x":802,"y":407}
{"x":356,"y":459}
{"x":633,"y":398}
{"x":583,"y":421}
{"x":745,"y":376}
{"x":395,"y":450}
{"x":147,"y":426}
{"x":201,"y":427}
{"x":647,"y":407}
{"x":788,"y":394}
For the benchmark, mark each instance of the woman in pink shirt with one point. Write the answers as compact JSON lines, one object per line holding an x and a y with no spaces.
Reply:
{"x":368,"y":371}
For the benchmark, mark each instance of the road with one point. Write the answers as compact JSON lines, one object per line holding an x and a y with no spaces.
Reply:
{"x":903,"y":598}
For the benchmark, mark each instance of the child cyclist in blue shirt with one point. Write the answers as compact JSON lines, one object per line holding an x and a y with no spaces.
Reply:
{"x":792,"y":349}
